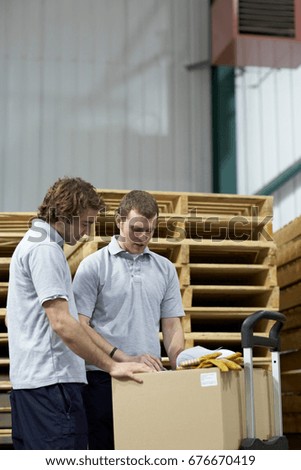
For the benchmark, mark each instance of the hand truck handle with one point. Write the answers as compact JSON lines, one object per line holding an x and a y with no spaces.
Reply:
{"x":249,"y":340}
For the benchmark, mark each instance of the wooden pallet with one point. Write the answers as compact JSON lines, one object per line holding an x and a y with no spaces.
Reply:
{"x":201,"y":203}
{"x":5,"y":413}
{"x":5,"y":439}
{"x":223,"y":250}
{"x":288,"y":240}
{"x":16,"y":221}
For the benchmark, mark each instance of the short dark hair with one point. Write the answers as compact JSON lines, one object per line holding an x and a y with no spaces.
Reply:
{"x":141,"y":201}
{"x":69,"y":197}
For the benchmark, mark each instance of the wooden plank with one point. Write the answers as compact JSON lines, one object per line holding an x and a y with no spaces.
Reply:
{"x":3,"y":290}
{"x":293,"y":318}
{"x":223,"y":227}
{"x":5,"y":419}
{"x":187,"y":297}
{"x":10,"y":238}
{"x":183,"y":275}
{"x":226,"y":251}
{"x":4,"y":401}
{"x":4,"y":264}
{"x":224,"y":245}
{"x":291,"y":382}
{"x":74,"y":256}
{"x":5,"y":385}
{"x":291,"y":423}
{"x":291,"y":403}
{"x":3,"y":338}
{"x":289,"y":274}
{"x":236,"y":228}
{"x":288,"y":253}
{"x":288,"y":232}
{"x":5,"y":437}
{"x":186,"y":323}
{"x":2,"y":313}
{"x":167,"y":201}
{"x":290,"y":297}
{"x":221,"y":203}
{"x":239,"y":274}
{"x":16,"y":221}
{"x":231,"y":340}
{"x":231,"y":290}
{"x":230,"y":203}
{"x":214,"y":337}
{"x":221,"y":313}
{"x":290,"y":360}
{"x":236,"y":296}
{"x":291,"y":339}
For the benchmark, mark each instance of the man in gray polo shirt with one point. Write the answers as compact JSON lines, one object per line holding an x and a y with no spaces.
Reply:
{"x":47,"y":343}
{"x":123,"y":292}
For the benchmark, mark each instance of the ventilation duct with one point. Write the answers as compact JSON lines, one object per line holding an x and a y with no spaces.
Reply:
{"x":267,"y":18}
{"x":255,"y":32}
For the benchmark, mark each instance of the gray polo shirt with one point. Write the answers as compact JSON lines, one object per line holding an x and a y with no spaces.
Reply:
{"x":126,"y":295}
{"x":38,"y":272}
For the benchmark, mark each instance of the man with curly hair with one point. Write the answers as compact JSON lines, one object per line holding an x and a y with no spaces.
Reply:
{"x":48,"y":346}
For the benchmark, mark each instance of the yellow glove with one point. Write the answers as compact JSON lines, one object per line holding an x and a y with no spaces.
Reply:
{"x":231,"y":362}
{"x":223,"y":363}
{"x":193,"y":363}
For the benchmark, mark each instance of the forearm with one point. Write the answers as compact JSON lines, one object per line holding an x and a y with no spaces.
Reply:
{"x":102,"y":343}
{"x":113,"y":351}
{"x":173,"y":339}
{"x":174,"y":348}
{"x":79,"y":342}
{"x":76,"y":337}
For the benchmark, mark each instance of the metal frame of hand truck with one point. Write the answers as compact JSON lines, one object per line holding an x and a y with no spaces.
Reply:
{"x":249,"y":340}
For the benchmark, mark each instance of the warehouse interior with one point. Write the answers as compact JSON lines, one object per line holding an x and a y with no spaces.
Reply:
{"x":195,"y":101}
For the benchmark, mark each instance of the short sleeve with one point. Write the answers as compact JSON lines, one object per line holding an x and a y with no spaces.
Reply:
{"x":172,"y":303}
{"x":47,"y":265}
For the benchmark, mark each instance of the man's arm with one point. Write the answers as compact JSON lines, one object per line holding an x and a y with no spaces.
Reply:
{"x":119,"y":356}
{"x":173,"y":338}
{"x":76,"y":338}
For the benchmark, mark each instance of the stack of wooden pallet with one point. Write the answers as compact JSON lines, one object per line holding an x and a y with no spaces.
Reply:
{"x":288,"y":240}
{"x":221,"y":246}
{"x":224,"y":253}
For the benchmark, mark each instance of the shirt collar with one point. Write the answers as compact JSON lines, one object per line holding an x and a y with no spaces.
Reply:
{"x":115,"y":248}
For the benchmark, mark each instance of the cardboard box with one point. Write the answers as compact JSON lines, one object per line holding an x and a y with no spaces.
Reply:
{"x":189,"y":409}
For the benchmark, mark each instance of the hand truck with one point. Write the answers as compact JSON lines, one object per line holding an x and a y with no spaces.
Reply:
{"x":249,"y":340}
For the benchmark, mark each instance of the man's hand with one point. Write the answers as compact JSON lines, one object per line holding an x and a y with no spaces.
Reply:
{"x":128,"y":370}
{"x":151,"y":361}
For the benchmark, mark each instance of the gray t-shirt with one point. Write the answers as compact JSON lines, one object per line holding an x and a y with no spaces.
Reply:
{"x":126,"y":296}
{"x":38,"y":272}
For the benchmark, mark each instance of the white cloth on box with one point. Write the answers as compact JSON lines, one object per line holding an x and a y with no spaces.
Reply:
{"x":199,"y":351}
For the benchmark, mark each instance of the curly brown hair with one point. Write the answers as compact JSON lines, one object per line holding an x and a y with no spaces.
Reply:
{"x":69,"y":197}
{"x":142,"y":201}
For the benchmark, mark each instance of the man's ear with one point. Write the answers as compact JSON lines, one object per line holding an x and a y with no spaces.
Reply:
{"x":117,"y":220}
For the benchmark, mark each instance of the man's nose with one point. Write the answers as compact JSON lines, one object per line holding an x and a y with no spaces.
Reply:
{"x":87,"y":230}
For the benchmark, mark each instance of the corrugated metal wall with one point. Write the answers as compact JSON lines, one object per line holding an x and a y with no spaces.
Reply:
{"x":99,"y":89}
{"x":268,"y":105}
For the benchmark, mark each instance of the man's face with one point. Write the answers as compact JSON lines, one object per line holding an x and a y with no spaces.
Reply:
{"x":136,"y":232}
{"x":80,"y":226}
